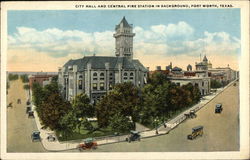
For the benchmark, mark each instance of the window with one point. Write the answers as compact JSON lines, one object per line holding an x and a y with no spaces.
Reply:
{"x":101,"y":76}
{"x":110,"y":74}
{"x":101,"y":86}
{"x":95,"y":76}
{"x":80,"y":77}
{"x":131,"y":76}
{"x":125,"y":74}
{"x":94,"y":86}
{"x":125,"y":78}
{"x":202,"y":84}
{"x":80,"y":84}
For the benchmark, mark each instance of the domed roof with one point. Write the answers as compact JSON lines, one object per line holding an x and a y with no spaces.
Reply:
{"x":205,"y":58}
{"x":176,"y":69}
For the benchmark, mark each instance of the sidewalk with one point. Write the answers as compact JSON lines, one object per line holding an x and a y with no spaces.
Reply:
{"x":171,"y":124}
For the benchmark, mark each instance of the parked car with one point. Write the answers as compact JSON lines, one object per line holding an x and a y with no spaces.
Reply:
{"x":35,"y":136}
{"x":134,"y":136}
{"x":218,"y":108}
{"x":89,"y":143}
{"x":31,"y":114}
{"x":196,"y":131}
{"x":51,"y":138}
{"x":28,"y":109}
{"x":28,"y":102}
{"x":191,"y":114}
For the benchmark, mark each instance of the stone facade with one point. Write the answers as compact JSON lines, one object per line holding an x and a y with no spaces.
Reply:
{"x":96,"y":75}
{"x":203,"y":83}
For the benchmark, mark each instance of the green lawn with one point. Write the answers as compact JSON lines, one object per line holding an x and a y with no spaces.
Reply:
{"x":83,"y":133}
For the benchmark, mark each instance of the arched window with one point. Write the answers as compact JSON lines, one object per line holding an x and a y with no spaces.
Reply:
{"x":125,"y":74}
{"x":101,"y":74}
{"x":95,"y":76}
{"x":131,"y":74}
{"x":80,"y":76}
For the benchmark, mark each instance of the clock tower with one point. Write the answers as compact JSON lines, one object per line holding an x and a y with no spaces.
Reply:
{"x":124,"y":39}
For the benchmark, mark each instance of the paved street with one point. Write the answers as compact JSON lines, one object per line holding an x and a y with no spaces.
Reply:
{"x":221,"y":131}
{"x":19,"y":126}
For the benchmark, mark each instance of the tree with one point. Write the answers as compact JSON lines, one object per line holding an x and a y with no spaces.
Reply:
{"x":52,"y":110}
{"x":26,"y":87}
{"x":37,"y":96}
{"x":50,"y":105}
{"x":24,"y":78}
{"x":82,"y":107}
{"x":13,"y":77}
{"x":216,"y":84}
{"x":68,"y":123}
{"x":123,"y":99}
{"x":158,"y":78}
{"x":120,"y":123}
{"x":155,"y":102}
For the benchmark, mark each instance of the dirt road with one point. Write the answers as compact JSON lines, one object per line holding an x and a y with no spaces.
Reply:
{"x":19,"y":126}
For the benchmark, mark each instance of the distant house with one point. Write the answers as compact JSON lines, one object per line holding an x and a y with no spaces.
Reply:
{"x":203,"y":83}
{"x":42,"y":79}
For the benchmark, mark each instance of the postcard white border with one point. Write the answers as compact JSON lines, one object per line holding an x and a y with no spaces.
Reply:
{"x":244,"y":86}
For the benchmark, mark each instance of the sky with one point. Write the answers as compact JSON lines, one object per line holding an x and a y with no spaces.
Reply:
{"x":45,"y":40}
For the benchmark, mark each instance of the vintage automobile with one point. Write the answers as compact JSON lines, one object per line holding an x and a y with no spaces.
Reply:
{"x":28,"y":102}
{"x":191,"y":114}
{"x":31,"y":114}
{"x":89,"y":143}
{"x":196,"y":131}
{"x":10,"y":105}
{"x":134,"y":136}
{"x":28,"y":109}
{"x":51,"y":138}
{"x":218,"y":108}
{"x":35,"y":136}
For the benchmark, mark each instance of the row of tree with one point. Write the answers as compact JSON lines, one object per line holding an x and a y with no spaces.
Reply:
{"x":12,"y":77}
{"x":149,"y":106}
{"x":119,"y":109}
{"x":24,"y":78}
{"x":58,"y":114}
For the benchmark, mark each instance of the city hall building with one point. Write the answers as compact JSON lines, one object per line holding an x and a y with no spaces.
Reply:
{"x":96,"y":75}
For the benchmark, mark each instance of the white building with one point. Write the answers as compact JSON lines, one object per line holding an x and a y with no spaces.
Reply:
{"x":96,"y":75}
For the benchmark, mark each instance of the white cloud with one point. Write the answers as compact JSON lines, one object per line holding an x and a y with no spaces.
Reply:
{"x":158,"y":40}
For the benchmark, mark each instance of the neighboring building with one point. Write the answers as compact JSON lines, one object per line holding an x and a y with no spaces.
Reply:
{"x":202,"y":66}
{"x":203,"y":83}
{"x":223,"y":74}
{"x":43,"y":79}
{"x":198,"y":78}
{"x":96,"y":75}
